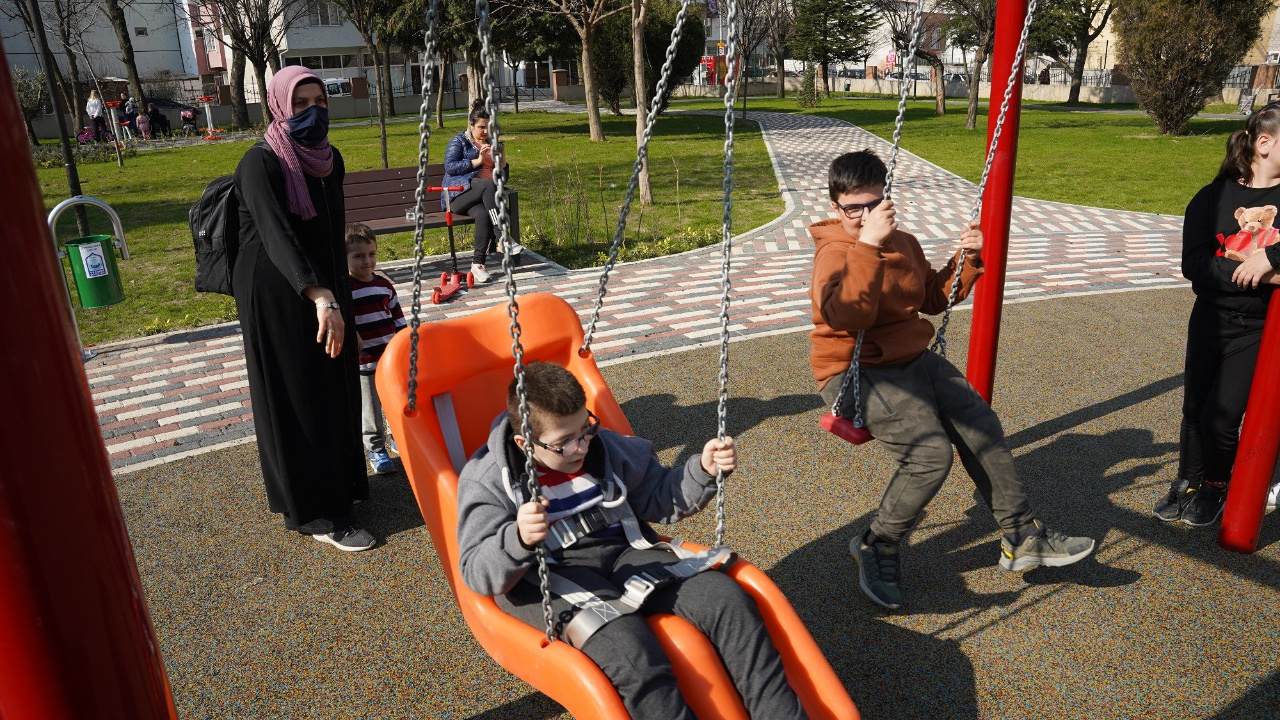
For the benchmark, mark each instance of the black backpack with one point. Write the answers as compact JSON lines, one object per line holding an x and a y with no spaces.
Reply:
{"x":215,"y":229}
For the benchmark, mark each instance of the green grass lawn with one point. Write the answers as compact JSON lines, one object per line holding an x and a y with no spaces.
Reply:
{"x":570,"y":191}
{"x":1108,"y":160}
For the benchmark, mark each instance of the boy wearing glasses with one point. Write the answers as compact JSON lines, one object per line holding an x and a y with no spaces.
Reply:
{"x":595,"y":483}
{"x":870,"y":276}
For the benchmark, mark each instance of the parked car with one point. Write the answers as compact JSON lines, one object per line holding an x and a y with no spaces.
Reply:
{"x":855,"y":73}
{"x":956,"y":77}
{"x":166,"y":104}
{"x":337,"y":86}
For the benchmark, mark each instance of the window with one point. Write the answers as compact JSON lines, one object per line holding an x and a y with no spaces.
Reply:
{"x":325,"y":13}
{"x":311,"y":62}
{"x":140,"y":31}
{"x":210,"y":40}
{"x":331,"y":62}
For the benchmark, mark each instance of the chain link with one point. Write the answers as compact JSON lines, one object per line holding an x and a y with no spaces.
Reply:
{"x":940,"y":339}
{"x":726,"y":252}
{"x":513,"y":307}
{"x":642,"y":152}
{"x":424,"y":136}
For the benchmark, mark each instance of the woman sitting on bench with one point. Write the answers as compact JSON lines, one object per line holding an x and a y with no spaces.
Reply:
{"x":468,"y":162}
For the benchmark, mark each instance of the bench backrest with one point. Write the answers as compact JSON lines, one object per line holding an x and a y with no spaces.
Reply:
{"x":381,"y":194}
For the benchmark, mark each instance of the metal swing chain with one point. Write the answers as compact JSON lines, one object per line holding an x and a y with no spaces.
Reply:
{"x":513,"y":307}
{"x":855,"y":369}
{"x":642,"y":152}
{"x":940,"y":339}
{"x":726,"y":249}
{"x":424,"y":136}
{"x":917,"y":18}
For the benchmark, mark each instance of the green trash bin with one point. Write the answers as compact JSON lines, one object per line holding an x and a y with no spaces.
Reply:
{"x":93,"y":265}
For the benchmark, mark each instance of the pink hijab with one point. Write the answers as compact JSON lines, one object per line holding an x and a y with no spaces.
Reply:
{"x":296,"y":159}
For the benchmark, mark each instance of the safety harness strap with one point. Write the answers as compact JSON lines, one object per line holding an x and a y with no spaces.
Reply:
{"x":596,"y":612}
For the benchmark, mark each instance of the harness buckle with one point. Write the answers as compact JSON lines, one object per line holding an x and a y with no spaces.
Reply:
{"x":637,"y":589}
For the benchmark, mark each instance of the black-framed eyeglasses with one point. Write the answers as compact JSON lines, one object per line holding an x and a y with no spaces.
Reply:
{"x":853,"y":211}
{"x":578,"y":443}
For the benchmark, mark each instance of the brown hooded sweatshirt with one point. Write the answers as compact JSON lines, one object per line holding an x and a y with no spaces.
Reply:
{"x":882,"y":290}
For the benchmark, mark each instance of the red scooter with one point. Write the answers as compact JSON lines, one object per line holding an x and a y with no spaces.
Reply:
{"x":449,"y":284}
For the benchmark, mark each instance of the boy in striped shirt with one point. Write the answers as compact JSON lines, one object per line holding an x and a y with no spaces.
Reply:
{"x":600,"y":490}
{"x":378,"y":318}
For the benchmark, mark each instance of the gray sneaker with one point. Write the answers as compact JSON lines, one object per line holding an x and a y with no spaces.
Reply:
{"x":877,"y":571}
{"x":1046,"y":547}
{"x":352,"y":539}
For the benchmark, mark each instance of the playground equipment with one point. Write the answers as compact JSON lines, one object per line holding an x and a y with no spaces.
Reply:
{"x":449,"y":284}
{"x":853,"y":431}
{"x":1259,"y":442}
{"x":211,"y":133}
{"x":74,"y":625}
{"x":466,"y":394}
{"x":93,"y":262}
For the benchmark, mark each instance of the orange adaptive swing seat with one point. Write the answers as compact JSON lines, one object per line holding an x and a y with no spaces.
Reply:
{"x":469,"y":383}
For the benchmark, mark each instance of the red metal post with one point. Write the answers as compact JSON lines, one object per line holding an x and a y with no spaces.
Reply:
{"x":1259,"y":442}
{"x":75,"y":634}
{"x":997,"y":201}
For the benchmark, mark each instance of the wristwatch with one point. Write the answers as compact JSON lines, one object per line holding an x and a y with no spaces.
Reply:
{"x":330,"y":305}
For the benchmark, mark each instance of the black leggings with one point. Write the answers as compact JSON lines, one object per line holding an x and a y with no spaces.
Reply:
{"x":1222,"y":349}
{"x":479,"y":203}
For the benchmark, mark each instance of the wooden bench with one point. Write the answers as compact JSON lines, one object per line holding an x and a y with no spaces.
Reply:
{"x":380,"y":198}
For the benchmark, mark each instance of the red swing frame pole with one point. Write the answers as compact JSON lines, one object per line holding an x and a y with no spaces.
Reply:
{"x":997,"y":201}
{"x":1259,"y":443}
{"x":74,"y":626}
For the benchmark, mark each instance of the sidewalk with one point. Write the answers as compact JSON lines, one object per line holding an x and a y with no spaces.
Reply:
{"x":170,"y":396}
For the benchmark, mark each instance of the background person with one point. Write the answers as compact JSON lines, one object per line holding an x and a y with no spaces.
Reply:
{"x":97,"y":115}
{"x":468,"y":161}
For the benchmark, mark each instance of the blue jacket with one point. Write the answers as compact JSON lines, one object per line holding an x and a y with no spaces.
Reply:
{"x":458,"y":169}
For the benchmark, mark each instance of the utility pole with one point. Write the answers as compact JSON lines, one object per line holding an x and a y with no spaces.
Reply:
{"x":55,"y":100}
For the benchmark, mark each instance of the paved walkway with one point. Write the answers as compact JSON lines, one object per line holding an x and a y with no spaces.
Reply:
{"x":175,"y":395}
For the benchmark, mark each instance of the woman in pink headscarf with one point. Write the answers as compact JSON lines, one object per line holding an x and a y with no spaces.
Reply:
{"x":294,"y":298}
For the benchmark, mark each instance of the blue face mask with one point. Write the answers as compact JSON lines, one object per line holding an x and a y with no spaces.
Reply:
{"x":309,"y":127}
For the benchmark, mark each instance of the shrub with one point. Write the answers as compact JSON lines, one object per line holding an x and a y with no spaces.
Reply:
{"x":810,"y":94}
{"x":1179,"y":52}
{"x":50,"y":156}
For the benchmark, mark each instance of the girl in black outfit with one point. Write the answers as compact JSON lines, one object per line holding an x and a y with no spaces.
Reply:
{"x":1227,"y":256}
{"x":294,"y":299}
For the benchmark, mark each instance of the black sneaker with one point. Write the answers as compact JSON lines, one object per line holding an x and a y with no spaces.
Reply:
{"x":877,"y":571}
{"x":1205,"y":506}
{"x":352,"y":539}
{"x":1170,"y":507}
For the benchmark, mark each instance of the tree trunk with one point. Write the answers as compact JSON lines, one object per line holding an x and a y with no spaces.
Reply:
{"x":239,"y":107}
{"x":31,"y":132}
{"x":475,"y":78}
{"x":975,"y":75}
{"x":589,"y":85}
{"x":370,"y":48}
{"x":273,"y":59}
{"x":515,"y":90}
{"x":1077,"y":68}
{"x":389,"y":106}
{"x":439,"y":71}
{"x":639,"y":8}
{"x":939,"y":83}
{"x":115,"y":13}
{"x":779,"y":60}
{"x":260,"y":70}
{"x":72,"y":84}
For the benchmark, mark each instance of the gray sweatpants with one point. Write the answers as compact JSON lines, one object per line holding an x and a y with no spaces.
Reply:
{"x":918,"y":411}
{"x":372,"y":427}
{"x":629,"y":653}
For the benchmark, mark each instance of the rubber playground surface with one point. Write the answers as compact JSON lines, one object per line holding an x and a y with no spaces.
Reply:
{"x":255,"y":622}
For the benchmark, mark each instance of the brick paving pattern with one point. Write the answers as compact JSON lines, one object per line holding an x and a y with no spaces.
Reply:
{"x":174,"y":395}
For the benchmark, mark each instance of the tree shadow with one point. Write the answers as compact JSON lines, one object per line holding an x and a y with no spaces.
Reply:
{"x":391,"y":508}
{"x":660,"y":419}
{"x":1262,"y":701}
{"x":534,"y":706}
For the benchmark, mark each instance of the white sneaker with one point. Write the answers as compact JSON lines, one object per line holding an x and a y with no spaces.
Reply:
{"x":516,"y":248}
{"x":480,"y":274}
{"x":1273,"y":497}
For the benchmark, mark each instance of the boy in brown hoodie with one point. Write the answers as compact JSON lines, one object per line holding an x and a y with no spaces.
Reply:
{"x":870,"y":276}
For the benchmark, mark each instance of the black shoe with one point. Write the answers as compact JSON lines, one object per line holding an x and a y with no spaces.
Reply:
{"x":1170,"y":507}
{"x":877,"y":571}
{"x":1205,"y":506}
{"x":351,"y":539}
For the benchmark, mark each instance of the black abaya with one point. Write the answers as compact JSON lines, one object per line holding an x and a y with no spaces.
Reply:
{"x":306,"y":405}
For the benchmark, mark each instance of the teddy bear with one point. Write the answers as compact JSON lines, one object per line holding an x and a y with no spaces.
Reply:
{"x":1256,"y":232}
